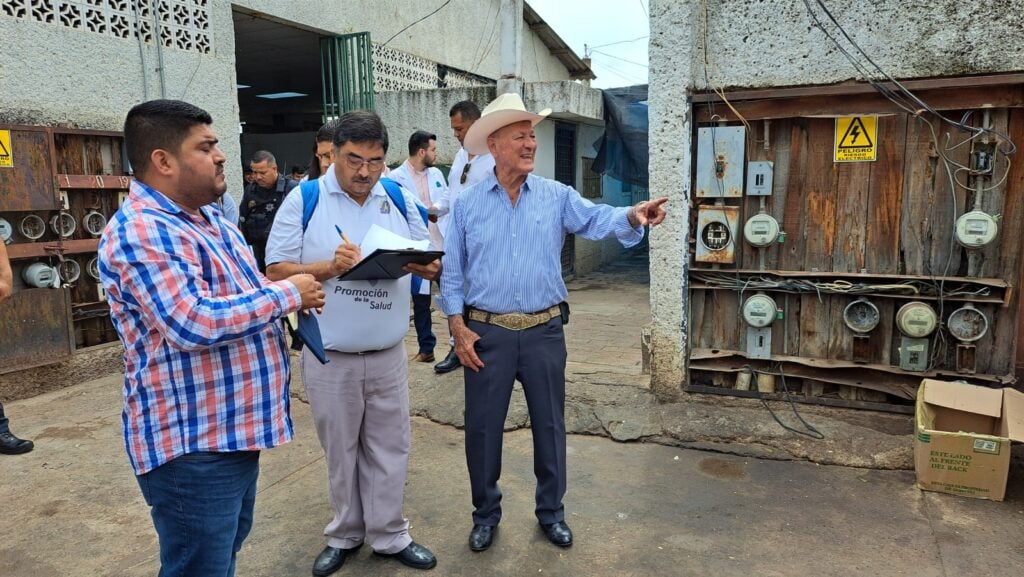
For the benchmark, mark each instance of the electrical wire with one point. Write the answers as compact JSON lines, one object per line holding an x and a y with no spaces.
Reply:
{"x":436,"y":10}
{"x":617,"y":58}
{"x":904,"y":98}
{"x":811,"y":431}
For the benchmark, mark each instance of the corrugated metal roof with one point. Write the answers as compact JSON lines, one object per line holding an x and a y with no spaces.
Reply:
{"x":572,"y":62}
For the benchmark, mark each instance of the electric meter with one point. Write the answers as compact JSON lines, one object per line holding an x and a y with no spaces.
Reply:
{"x":69,"y":271}
{"x":715,"y":236}
{"x":761,"y":230}
{"x":39,"y":275}
{"x":976,"y":229}
{"x":861,"y":316}
{"x":6,"y":231}
{"x":967,"y":324}
{"x":92,"y":268}
{"x":94,"y":223}
{"x":32,"y":227}
{"x":916,"y":319}
{"x":759,"y":311}
{"x":63,"y":224}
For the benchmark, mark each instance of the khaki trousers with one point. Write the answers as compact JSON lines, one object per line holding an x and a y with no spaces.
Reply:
{"x":360,"y":404}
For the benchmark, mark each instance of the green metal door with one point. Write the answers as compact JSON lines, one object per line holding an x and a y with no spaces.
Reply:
{"x":346,"y":65}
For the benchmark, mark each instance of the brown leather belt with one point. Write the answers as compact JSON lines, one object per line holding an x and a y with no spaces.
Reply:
{"x":514,"y":321}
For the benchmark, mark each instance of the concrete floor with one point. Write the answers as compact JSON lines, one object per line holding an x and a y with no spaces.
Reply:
{"x":649,"y":507}
{"x":72,"y":509}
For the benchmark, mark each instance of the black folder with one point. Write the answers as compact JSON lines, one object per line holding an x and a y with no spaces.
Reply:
{"x":388,"y":263}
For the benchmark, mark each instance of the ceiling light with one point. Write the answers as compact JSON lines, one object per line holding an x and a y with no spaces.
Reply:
{"x":279,"y":95}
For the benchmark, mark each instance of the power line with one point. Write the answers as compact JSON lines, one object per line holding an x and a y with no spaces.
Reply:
{"x":644,"y":8}
{"x":617,"y":58}
{"x":587,"y":49}
{"x":447,"y":2}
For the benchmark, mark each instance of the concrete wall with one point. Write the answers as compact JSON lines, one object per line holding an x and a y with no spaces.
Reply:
{"x":55,"y":75}
{"x":463,"y":35}
{"x":762,"y":44}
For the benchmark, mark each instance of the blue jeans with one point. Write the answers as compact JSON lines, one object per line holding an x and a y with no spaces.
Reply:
{"x":202,"y":508}
{"x":421,"y":318}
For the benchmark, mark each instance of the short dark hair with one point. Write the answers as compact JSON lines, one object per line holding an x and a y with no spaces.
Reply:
{"x":420,"y":140}
{"x":264,"y":156}
{"x":159,"y":124}
{"x":326,"y":132}
{"x":467,"y":109}
{"x":298,"y":169}
{"x":361,"y":126}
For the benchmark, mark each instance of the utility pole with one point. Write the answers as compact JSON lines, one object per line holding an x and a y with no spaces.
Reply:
{"x":511,"y":78}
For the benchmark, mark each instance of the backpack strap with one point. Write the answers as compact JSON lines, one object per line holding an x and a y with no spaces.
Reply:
{"x":310,"y":198}
{"x":394,"y":191}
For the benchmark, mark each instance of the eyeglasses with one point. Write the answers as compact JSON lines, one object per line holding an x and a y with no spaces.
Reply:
{"x":355,"y":162}
{"x":465,"y":173}
{"x":329,"y":156}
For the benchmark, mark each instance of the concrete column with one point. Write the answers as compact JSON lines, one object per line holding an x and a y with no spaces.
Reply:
{"x":674,"y":46}
{"x":511,"y":78}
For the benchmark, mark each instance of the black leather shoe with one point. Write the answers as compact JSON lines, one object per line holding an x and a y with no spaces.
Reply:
{"x":11,"y":445}
{"x":481,"y":537}
{"x":415,"y":555}
{"x":558,"y":533}
{"x":450,"y":363}
{"x":331,"y":559}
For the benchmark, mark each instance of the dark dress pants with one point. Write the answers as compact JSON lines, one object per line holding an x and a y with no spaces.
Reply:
{"x":421,"y":318}
{"x":536,"y":357}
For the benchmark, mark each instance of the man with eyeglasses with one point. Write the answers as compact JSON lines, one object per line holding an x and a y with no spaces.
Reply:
{"x":467,"y":170}
{"x":360,"y":399}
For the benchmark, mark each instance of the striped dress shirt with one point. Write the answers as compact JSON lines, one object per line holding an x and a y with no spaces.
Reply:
{"x":206,"y":367}
{"x":502,"y":258}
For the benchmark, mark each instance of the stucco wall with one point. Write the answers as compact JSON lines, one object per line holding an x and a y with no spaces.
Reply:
{"x":764,"y":43}
{"x":463,"y":35}
{"x":55,"y":75}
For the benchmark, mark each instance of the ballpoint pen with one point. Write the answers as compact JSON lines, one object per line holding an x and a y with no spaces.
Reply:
{"x":341,"y":234}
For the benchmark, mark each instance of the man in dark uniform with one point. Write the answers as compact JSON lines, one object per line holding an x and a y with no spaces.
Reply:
{"x":260,"y":202}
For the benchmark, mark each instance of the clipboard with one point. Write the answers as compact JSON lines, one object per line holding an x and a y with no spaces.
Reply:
{"x":388,"y":263}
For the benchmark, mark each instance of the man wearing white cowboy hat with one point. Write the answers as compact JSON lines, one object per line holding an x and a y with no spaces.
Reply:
{"x":503,"y":292}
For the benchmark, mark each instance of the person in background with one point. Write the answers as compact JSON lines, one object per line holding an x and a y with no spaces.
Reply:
{"x":297,"y":173}
{"x":418,"y":174}
{"x":9,"y":444}
{"x":467,"y":170}
{"x":503,"y":292}
{"x":260,"y":203}
{"x":229,"y":206}
{"x":206,"y":367}
{"x":323,"y":151}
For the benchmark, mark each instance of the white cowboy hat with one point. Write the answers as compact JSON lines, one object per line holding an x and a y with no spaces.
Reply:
{"x":504,"y":110}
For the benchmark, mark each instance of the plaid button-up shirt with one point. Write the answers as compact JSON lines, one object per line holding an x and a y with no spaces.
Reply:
{"x":206,"y":366}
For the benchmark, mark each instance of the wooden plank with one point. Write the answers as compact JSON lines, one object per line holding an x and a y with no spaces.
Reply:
{"x":791,"y":254}
{"x":814,"y":326}
{"x":790,"y":324}
{"x":40,"y":249}
{"x":851,"y":216}
{"x":947,"y":101}
{"x":780,"y":152}
{"x":1007,"y":325}
{"x":923,"y":84}
{"x":819,"y":207}
{"x":885,"y":197}
{"x":944,"y":254}
{"x":919,"y":171}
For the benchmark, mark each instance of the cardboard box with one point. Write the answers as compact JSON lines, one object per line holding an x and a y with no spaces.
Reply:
{"x":963,"y":435}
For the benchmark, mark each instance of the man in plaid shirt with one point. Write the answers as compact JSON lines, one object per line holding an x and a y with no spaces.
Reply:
{"x":206,"y":367}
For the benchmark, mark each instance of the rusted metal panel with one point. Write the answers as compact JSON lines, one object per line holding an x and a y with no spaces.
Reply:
{"x":36,"y":327}
{"x":97,"y":181}
{"x":28,"y":185}
{"x":42,"y":249}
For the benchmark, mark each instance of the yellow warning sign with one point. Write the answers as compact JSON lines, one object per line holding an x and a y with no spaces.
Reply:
{"x":6,"y":154}
{"x":856,"y":138}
